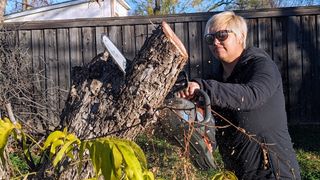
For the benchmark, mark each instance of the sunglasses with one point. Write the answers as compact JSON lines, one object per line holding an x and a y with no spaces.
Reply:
{"x":220,"y":35}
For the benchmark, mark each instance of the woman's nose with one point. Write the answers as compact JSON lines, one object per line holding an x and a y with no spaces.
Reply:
{"x":216,"y":41}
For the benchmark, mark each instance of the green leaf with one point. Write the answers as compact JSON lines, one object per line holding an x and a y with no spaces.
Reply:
{"x":225,"y":175}
{"x":25,"y":147}
{"x":218,"y":176}
{"x":147,"y":175}
{"x":84,"y":145}
{"x":117,"y":161}
{"x":53,"y":137}
{"x":230,"y":175}
{"x":106,"y":160}
{"x":114,"y":157}
{"x":71,"y":137}
{"x":69,"y":152}
{"x":6,"y":127}
{"x":133,"y":168}
{"x":61,"y":153}
{"x":138,"y":152}
{"x":54,"y":146}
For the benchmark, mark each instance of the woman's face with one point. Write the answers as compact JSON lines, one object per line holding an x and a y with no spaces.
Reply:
{"x":226,"y":49}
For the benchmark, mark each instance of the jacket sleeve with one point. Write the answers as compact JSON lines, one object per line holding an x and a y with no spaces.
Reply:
{"x":263,"y":83}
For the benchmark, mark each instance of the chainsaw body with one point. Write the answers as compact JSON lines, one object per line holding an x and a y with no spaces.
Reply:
{"x":191,"y":122}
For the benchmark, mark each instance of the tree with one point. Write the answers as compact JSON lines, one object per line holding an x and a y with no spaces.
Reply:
{"x":3,"y":5}
{"x":148,"y":7}
{"x":258,"y":4}
{"x":22,"y":5}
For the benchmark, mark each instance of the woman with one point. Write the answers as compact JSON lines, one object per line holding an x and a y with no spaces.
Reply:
{"x":247,"y":92}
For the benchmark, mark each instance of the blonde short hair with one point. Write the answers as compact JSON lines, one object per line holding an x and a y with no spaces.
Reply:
{"x":232,"y":22}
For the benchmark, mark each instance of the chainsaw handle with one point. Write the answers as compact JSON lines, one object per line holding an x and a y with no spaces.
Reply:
{"x":207,"y":109}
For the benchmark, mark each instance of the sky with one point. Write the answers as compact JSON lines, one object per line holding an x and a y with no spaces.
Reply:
{"x":10,"y":5}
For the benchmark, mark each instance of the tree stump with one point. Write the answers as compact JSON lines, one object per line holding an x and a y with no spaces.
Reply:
{"x":105,"y":102}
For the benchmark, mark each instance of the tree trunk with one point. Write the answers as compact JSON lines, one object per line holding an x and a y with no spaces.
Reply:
{"x":3,"y":4}
{"x":104,"y":102}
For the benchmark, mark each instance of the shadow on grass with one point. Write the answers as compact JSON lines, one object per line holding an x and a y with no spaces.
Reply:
{"x":306,"y":137}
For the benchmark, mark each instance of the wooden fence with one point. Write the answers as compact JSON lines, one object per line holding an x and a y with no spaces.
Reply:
{"x":290,"y":35}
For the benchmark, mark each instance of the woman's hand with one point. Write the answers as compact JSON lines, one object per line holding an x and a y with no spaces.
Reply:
{"x":188,"y":93}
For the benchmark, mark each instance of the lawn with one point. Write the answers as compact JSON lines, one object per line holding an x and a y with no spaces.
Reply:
{"x":166,"y":162}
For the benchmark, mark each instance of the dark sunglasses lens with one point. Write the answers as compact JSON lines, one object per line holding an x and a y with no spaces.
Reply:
{"x":222,"y":35}
{"x":209,"y":39}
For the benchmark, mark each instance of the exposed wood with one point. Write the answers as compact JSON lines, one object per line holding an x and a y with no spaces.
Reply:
{"x":174,"y":39}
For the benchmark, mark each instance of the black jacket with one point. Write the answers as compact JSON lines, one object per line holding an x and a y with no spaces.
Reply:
{"x":252,"y":99}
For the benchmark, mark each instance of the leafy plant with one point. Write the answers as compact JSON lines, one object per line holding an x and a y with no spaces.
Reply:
{"x":6,"y":128}
{"x":64,"y":142}
{"x":225,"y":175}
{"x":116,"y":158}
{"x":113,"y":158}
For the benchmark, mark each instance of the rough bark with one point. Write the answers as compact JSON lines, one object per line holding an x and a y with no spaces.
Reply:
{"x":104,"y":102}
{"x":3,"y":4}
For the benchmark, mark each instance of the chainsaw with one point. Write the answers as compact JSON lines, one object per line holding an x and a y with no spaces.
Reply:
{"x":184,"y":118}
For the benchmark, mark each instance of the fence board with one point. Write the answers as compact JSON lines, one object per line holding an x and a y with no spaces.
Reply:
{"x":308,"y":62}
{"x":64,"y":65}
{"x":52,"y":72}
{"x":181,"y":30}
{"x":88,"y":44}
{"x":75,"y":47}
{"x":99,"y":31}
{"x":279,"y":46}
{"x":294,"y":69}
{"x":265,"y":34}
{"x":128,"y":42}
{"x":195,"y":50}
{"x":38,"y":61}
{"x":25,"y":40}
{"x":115,"y":36}
{"x":252,"y":37}
{"x":317,"y":73}
{"x":141,"y":34}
